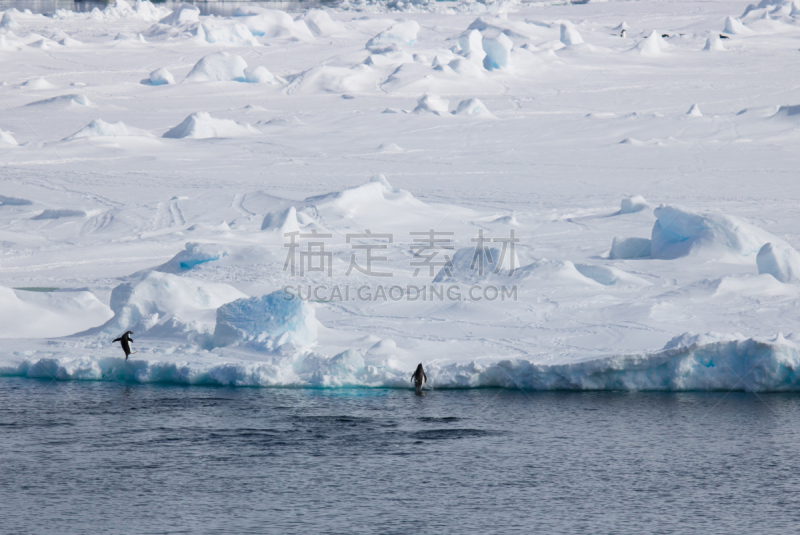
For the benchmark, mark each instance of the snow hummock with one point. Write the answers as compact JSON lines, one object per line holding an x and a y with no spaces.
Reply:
{"x":100,"y":128}
{"x":653,"y":45}
{"x":201,"y":125}
{"x":266,"y":323}
{"x":694,"y":111}
{"x":161,"y":77}
{"x":470,"y":265}
{"x":432,"y":104}
{"x":471,"y":44}
{"x":679,"y":232}
{"x":627,"y":248}
{"x":403,"y":31}
{"x":182,"y":14}
{"x":273,"y":24}
{"x":7,"y":139}
{"x":225,"y":32}
{"x":321,"y":23}
{"x":168,"y":303}
{"x":634,"y":203}
{"x":473,"y":108}
{"x":714,"y":44}
{"x":735,"y":27}
{"x":259,"y":75}
{"x":780,"y":260}
{"x":219,"y":67}
{"x":8,"y":22}
{"x":570,"y":36}
{"x":59,"y":214}
{"x":38,"y":83}
{"x":69,"y":101}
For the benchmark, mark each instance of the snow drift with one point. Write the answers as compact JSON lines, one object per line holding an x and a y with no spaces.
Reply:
{"x":201,"y":125}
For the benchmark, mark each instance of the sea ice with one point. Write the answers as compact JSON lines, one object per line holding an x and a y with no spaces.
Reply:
{"x":780,"y":260}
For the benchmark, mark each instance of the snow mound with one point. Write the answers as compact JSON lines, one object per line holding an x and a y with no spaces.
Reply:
{"x":38,"y":83}
{"x":679,"y":232}
{"x":570,"y":36}
{"x":473,"y":108}
{"x":8,"y":22}
{"x":193,"y":255}
{"x":219,"y":67}
{"x":59,"y":214}
{"x":225,"y":32}
{"x":167,"y":304}
{"x":161,"y":77}
{"x":321,"y":23}
{"x":28,"y":314}
{"x":100,"y":128}
{"x":7,"y":139}
{"x":70,"y":42}
{"x":634,"y":203}
{"x":714,"y":44}
{"x":327,"y":78}
{"x":266,"y":323}
{"x":6,"y":46}
{"x":780,"y":260}
{"x":13,"y":201}
{"x":201,"y":125}
{"x":71,"y":101}
{"x":404,"y":32}
{"x":470,"y":265}
{"x":554,"y":272}
{"x":610,"y":276}
{"x":498,"y":51}
{"x":627,"y":248}
{"x":653,"y":45}
{"x":735,"y":27}
{"x":694,"y":111}
{"x":259,"y":75}
{"x":432,"y":104}
{"x":286,"y":221}
{"x":182,"y":14}
{"x":274,"y":24}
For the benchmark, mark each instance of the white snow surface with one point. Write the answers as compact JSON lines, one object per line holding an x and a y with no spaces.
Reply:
{"x":188,"y":241}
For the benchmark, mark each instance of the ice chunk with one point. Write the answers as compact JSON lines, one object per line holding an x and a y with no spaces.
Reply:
{"x":470,"y":265}
{"x":100,"y":128}
{"x":570,"y":36}
{"x":161,"y":77}
{"x":471,"y":43}
{"x":498,"y":52}
{"x":780,"y":260}
{"x":679,"y":232}
{"x":266,"y":322}
{"x":626,"y":248}
{"x":432,"y":104}
{"x":284,"y":222}
{"x":182,"y":14}
{"x":259,"y":75}
{"x":219,"y":67}
{"x":634,"y":203}
{"x":404,"y":31}
{"x":694,"y":111}
{"x":276,"y":24}
{"x":226,"y":32}
{"x":201,"y":125}
{"x":473,"y":108}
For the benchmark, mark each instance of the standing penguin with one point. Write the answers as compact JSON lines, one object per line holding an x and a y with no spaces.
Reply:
{"x":419,"y":377}
{"x":125,"y":341}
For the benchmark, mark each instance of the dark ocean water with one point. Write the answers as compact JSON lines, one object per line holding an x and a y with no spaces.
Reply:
{"x":86,"y":457}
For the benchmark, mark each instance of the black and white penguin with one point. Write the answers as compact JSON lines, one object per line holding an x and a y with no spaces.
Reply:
{"x":419,"y":378}
{"x":125,"y":341}
{"x":622,"y":33}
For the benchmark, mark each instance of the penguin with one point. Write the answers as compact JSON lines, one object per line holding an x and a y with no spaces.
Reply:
{"x":622,"y":33}
{"x":125,"y":340}
{"x":419,"y":377}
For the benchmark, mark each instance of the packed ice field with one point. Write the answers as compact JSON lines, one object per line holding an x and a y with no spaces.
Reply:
{"x":609,"y":209}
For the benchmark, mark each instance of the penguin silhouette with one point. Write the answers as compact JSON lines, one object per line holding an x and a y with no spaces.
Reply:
{"x":125,"y":341}
{"x":419,"y":377}
{"x":622,"y":33}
